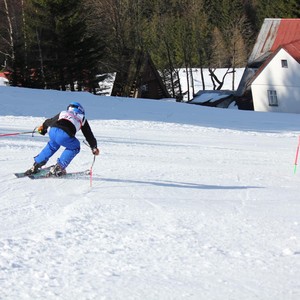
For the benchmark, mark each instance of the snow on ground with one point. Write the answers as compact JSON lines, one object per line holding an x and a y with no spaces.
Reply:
{"x":186,"y":202}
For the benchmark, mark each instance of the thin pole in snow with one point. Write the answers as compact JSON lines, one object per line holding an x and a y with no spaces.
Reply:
{"x":296,"y":157}
{"x":18,"y":133}
{"x":91,"y":168}
{"x":91,"y":172}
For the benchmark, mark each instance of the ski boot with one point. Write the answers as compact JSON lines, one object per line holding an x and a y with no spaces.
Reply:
{"x":35,"y":168}
{"x":57,"y":171}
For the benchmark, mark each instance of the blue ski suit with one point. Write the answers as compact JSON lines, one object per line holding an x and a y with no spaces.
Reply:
{"x":63,"y":128}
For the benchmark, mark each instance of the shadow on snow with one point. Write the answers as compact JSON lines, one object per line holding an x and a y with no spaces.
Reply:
{"x":173,"y":184}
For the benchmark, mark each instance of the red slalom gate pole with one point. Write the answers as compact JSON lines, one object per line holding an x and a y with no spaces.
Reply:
{"x":296,"y":157}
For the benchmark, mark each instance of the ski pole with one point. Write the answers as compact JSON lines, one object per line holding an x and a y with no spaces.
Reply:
{"x":18,"y":133}
{"x":91,"y":168}
{"x":296,"y":157}
{"x":91,"y":171}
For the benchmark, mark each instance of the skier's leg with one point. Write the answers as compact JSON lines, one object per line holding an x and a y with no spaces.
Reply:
{"x":69,"y":153}
{"x":51,"y":147}
{"x":42,"y":158}
{"x":72,"y":146}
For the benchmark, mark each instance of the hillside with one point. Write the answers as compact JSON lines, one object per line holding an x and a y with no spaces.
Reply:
{"x":186,"y":202}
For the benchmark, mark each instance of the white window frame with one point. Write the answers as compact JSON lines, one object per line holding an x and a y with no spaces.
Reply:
{"x":272,"y":97}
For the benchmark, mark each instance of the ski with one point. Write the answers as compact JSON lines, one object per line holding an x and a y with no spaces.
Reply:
{"x":40,"y":172}
{"x":44,"y":175}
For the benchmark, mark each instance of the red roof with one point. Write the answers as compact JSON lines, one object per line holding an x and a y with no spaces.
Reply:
{"x":3,"y":75}
{"x":277,"y":33}
{"x":274,"y":35}
{"x":288,"y":36}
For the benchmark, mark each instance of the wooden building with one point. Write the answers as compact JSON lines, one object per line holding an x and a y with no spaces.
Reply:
{"x":139,"y":78}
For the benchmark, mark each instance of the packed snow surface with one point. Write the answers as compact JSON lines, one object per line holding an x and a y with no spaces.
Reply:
{"x":185,"y":202}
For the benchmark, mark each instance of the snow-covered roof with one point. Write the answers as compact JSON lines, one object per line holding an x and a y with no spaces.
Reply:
{"x":210,"y":96}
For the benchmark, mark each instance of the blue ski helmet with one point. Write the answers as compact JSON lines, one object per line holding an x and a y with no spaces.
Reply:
{"x":76,"y":107}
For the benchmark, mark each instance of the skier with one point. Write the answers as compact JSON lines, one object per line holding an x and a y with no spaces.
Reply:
{"x":64,"y":127}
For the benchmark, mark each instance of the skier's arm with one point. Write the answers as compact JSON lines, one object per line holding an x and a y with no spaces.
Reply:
{"x":88,"y":134}
{"x":44,"y":127}
{"x":50,"y":121}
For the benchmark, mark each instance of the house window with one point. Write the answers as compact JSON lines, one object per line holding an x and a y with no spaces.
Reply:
{"x":284,"y":63}
{"x":272,"y":96}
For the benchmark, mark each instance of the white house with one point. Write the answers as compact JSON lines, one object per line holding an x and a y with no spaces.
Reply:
{"x":3,"y":80}
{"x":276,"y":85}
{"x":271,"y":80}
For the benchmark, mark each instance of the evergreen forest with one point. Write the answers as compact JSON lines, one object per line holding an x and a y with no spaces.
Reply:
{"x":53,"y":44}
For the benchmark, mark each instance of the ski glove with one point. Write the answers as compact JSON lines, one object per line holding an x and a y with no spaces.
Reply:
{"x":96,"y":151}
{"x":41,"y":130}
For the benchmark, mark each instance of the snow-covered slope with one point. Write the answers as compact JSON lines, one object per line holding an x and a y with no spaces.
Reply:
{"x":186,"y":203}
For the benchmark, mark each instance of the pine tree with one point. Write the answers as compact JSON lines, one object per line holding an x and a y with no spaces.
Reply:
{"x":66,"y":52}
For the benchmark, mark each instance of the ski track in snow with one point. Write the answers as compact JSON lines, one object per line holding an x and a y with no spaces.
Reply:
{"x":174,"y":212}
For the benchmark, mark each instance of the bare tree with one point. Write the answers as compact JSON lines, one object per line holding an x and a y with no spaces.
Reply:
{"x":8,"y":39}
